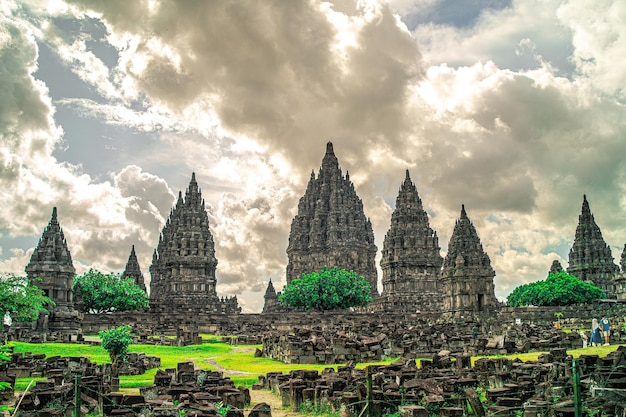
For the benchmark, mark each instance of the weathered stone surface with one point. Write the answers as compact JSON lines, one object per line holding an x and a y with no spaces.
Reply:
{"x":411,"y":262}
{"x":330,"y":228}
{"x":183,"y":264}
{"x":467,"y":275}
{"x":590,"y":258}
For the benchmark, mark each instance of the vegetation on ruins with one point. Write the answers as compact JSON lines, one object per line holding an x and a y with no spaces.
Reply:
{"x":559,"y":289}
{"x":116,"y":342}
{"x":21,"y":301}
{"x":328,"y":289}
{"x":102,"y":293}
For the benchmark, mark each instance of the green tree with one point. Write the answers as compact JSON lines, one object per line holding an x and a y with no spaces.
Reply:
{"x":20,"y":299}
{"x":559,"y":289}
{"x":328,"y":289}
{"x":102,"y":293}
{"x":116,"y":342}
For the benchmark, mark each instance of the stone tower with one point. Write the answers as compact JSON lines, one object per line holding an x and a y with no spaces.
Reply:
{"x":271,"y":304}
{"x":51,"y":269}
{"x":590,"y":258}
{"x":555,"y":267}
{"x":183,"y":264}
{"x":467,"y":275}
{"x":133,"y":270}
{"x":411,"y":262}
{"x":330,"y":228}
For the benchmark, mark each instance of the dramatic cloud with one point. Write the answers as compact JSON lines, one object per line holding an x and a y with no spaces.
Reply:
{"x":513,"y":108}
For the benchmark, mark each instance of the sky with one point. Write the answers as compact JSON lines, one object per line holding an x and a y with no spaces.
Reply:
{"x":515,"y":109}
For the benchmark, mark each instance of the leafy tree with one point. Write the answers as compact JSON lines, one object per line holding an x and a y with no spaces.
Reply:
{"x":559,"y":289}
{"x":328,"y":289}
{"x":102,"y":293}
{"x":116,"y":342}
{"x":21,"y":300}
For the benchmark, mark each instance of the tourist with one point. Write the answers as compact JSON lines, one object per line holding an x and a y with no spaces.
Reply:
{"x":475,"y":332}
{"x":584,"y":338}
{"x":596,"y":337}
{"x":605,"y":324}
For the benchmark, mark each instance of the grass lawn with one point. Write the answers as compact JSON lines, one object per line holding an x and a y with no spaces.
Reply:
{"x":235,"y":361}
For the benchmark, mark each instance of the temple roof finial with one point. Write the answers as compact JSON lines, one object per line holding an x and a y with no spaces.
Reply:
{"x":329,"y":148}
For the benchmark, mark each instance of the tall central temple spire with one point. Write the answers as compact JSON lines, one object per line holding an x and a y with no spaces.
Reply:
{"x":330,"y":228}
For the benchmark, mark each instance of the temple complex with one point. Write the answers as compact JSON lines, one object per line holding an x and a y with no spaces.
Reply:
{"x":411,"y":262}
{"x":183,"y":264}
{"x":133,"y":270}
{"x":467,"y":275}
{"x":590,"y":258}
{"x":330,"y":228}
{"x":51,"y":269}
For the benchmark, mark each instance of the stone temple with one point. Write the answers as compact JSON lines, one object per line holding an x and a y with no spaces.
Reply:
{"x":184,"y":262}
{"x":467,"y":275}
{"x":411,"y":261}
{"x":590,"y":258}
{"x":330,"y":228}
{"x":51,"y":269}
{"x":133,"y":270}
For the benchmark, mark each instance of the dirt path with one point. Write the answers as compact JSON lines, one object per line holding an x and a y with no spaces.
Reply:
{"x":266,"y":396}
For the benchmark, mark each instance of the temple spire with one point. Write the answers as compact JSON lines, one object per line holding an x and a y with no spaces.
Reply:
{"x":330,"y":228}
{"x":410,"y":261}
{"x":184,"y":263}
{"x":590,"y":258}
{"x":467,"y":275}
{"x":133,"y":270}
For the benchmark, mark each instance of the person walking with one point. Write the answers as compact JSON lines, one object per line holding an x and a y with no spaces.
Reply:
{"x":605,"y":325}
{"x":596,"y":337}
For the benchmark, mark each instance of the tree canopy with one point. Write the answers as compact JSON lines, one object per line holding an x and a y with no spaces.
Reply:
{"x":20,"y":299}
{"x":559,"y":289}
{"x":102,"y":293}
{"x":116,"y":342}
{"x":328,"y":289}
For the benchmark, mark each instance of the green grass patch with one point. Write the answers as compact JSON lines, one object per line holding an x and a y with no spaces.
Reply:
{"x":601,"y":351}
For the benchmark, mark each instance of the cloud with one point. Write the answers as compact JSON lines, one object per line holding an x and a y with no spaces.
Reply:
{"x":513,"y":108}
